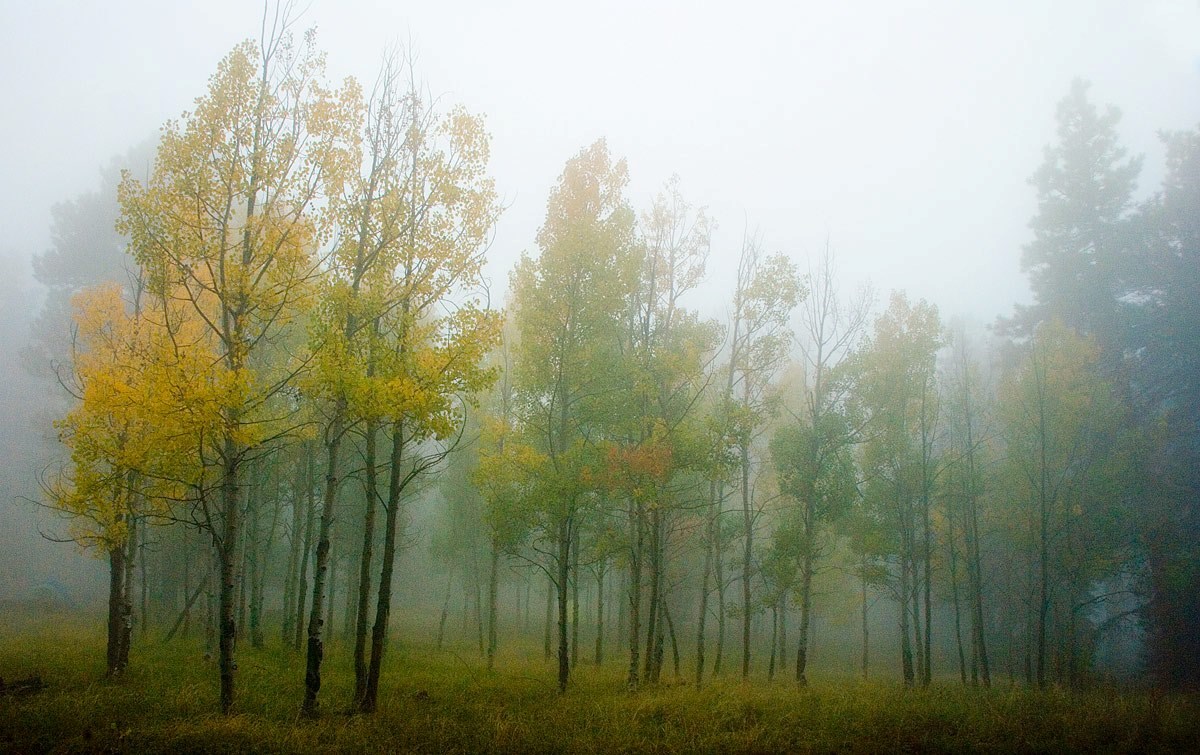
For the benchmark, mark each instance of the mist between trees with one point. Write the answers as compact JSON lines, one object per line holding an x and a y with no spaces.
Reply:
{"x":299,"y":417}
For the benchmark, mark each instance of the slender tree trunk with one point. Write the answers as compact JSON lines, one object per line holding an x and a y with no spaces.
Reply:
{"x":783,"y":622}
{"x":182,"y":621}
{"x":774,"y":641}
{"x":915,"y":604}
{"x":735,"y":346}
{"x":186,"y":616}
{"x":127,"y":599}
{"x":350,"y":598}
{"x":719,"y":568}
{"x":1030,"y":625}
{"x":1043,"y":538}
{"x":906,"y":653}
{"x":268,"y":558}
{"x":493,"y":596}
{"x":974,"y":564}
{"x":659,"y":643}
{"x":927,"y":670}
{"x":316,"y":628}
{"x":674,"y":640}
{"x":974,"y":573}
{"x":565,"y":535}
{"x":548,"y":633}
{"x":927,"y":533}
{"x":802,"y":646}
{"x":210,"y":604}
{"x":258,"y":586}
{"x":747,"y":560}
{"x":962,"y":656}
{"x":575,"y":617}
{"x":621,"y":599}
{"x":362,"y":618}
{"x":1010,"y":660}
{"x":1072,"y":650}
{"x":291,"y":613}
{"x":145,"y":585}
{"x":974,"y":660}
{"x":305,"y":557}
{"x":635,"y":593}
{"x":806,"y":566}
{"x":652,"y":612}
{"x":240,"y":609}
{"x":600,"y":612}
{"x":465,"y":613}
{"x":441,"y":634}
{"x":250,"y":574}
{"x":866,"y":628}
{"x":1043,"y":593}
{"x":116,"y":608}
{"x":227,"y":627}
{"x":528,"y":603}
{"x":246,"y":555}
{"x":383,"y":605}
{"x":333,"y":584}
{"x":661,"y":568}
{"x":702,"y":618}
{"x":478,"y":602}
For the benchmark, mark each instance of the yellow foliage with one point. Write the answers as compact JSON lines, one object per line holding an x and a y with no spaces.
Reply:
{"x":149,"y":390}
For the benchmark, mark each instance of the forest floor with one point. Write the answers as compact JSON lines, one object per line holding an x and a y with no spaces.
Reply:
{"x":446,"y":701}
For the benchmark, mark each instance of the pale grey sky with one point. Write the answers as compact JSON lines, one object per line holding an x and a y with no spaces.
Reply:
{"x":904,"y":131}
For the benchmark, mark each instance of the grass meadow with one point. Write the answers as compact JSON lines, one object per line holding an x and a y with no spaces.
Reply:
{"x":447,"y":702}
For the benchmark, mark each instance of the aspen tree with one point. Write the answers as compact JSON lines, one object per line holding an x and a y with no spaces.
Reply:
{"x":228,"y":224}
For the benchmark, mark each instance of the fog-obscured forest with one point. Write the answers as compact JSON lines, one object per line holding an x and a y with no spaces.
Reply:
{"x":280,"y":377}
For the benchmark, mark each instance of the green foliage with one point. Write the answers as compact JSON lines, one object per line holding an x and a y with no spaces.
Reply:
{"x":569,"y":304}
{"x":568,"y":368}
{"x":895,"y":391}
{"x":1066,"y":456}
{"x":817,"y":464}
{"x":767,"y":291}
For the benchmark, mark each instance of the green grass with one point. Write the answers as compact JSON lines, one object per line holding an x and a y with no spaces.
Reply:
{"x":446,"y":701}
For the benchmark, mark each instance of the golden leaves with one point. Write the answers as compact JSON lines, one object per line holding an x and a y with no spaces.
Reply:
{"x":149,"y":390}
{"x":263,"y":221}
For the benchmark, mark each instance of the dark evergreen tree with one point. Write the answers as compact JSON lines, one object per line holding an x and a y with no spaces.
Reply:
{"x":1164,"y":348}
{"x":1078,"y":259}
{"x":85,"y":249}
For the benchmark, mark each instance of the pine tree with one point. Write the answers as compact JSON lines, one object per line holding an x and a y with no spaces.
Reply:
{"x":1077,"y":259}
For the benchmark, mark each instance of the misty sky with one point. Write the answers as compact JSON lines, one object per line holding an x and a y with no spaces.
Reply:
{"x":903,"y":131}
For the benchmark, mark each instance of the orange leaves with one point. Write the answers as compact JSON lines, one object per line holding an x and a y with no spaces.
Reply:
{"x":651,"y":461}
{"x":638,"y":470}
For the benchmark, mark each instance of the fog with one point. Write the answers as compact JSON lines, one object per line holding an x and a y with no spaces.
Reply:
{"x":904,"y":133}
{"x":902,"y":137}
